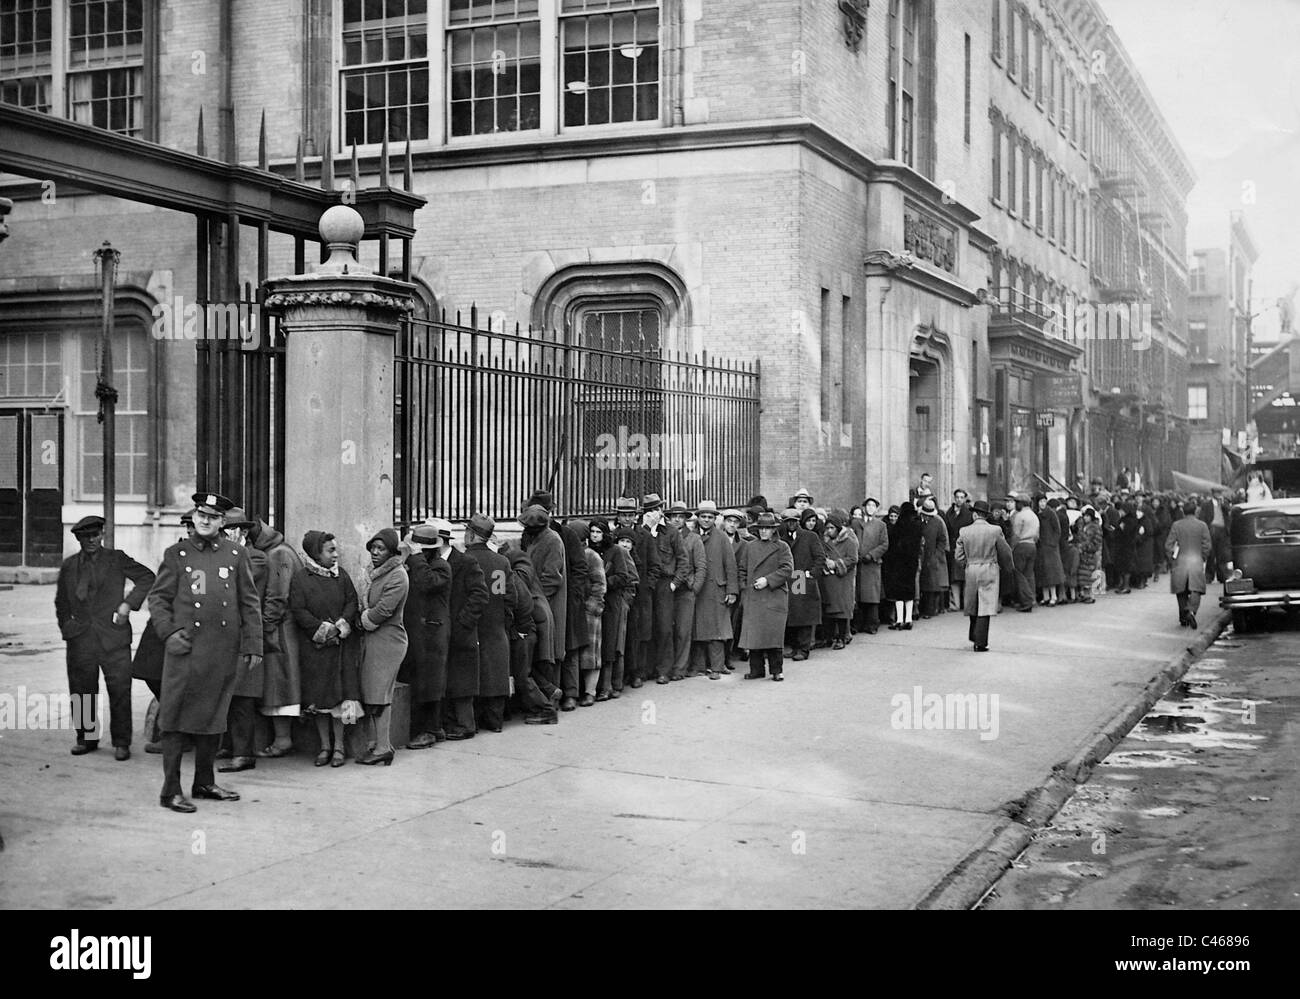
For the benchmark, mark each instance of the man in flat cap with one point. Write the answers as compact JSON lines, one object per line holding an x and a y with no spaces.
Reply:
{"x":94,"y":619}
{"x":205,"y":607}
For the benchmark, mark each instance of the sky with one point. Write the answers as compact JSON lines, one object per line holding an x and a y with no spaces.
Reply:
{"x":1226,"y":75}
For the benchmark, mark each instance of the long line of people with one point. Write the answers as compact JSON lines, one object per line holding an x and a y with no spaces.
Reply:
{"x":573,"y":613}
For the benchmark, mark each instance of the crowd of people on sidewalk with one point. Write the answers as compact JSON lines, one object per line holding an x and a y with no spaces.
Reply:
{"x":570,"y":614}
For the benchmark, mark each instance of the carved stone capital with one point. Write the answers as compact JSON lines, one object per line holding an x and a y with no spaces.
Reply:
{"x":854,"y":13}
{"x":279,"y":301}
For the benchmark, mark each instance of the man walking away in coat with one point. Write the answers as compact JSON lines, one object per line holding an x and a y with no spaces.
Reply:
{"x":94,"y":619}
{"x":685,"y":596}
{"x":983,"y":554}
{"x":718,"y":594}
{"x":205,"y":607}
{"x":1024,"y":551}
{"x":1188,"y":546}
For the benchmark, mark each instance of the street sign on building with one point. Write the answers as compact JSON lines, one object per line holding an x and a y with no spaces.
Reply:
{"x":1063,"y":392}
{"x":1045,"y":420}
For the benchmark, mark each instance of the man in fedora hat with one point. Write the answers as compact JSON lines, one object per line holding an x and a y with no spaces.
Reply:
{"x":94,"y":619}
{"x":425,"y":616}
{"x":205,"y":607}
{"x":735,"y":526}
{"x":982,"y":551}
{"x":465,"y":606}
{"x":764,"y":570}
{"x":718,"y":594}
{"x":684,"y":598}
{"x":665,"y":572}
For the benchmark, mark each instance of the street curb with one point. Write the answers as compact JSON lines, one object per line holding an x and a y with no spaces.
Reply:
{"x":977,"y":872}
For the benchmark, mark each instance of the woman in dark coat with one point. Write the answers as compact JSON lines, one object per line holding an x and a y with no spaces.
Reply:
{"x":1144,"y":553}
{"x":1124,"y":548}
{"x":902,"y":565}
{"x":1048,"y":570}
{"x":323,"y":606}
{"x":839,"y":585}
{"x":382,"y":599}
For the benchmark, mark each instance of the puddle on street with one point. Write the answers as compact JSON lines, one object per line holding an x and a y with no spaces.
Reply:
{"x":1171,"y":724}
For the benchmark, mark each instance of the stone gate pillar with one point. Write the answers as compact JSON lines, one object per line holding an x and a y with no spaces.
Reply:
{"x":340,"y":323}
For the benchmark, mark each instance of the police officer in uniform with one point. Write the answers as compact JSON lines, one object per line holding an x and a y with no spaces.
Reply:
{"x":205,"y":607}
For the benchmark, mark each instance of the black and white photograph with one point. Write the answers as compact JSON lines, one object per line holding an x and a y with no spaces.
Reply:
{"x":714,"y":455}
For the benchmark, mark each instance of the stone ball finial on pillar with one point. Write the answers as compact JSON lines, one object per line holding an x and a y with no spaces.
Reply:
{"x":341,"y":229}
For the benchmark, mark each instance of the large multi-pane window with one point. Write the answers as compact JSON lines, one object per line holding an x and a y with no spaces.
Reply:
{"x":31,"y":366}
{"x":1198,"y":402}
{"x":910,"y":96}
{"x":93,"y":72}
{"x":611,"y":61}
{"x":494,"y":50}
{"x":385,"y":78}
{"x":26,"y":53}
{"x":131,"y":379}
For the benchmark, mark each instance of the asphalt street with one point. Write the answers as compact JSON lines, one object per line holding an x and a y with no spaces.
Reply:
{"x":818,"y":792}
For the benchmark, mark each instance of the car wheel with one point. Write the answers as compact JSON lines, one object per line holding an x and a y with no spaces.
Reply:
{"x":1241,"y":621}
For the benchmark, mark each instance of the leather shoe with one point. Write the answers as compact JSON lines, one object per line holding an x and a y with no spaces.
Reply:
{"x":238,"y":763}
{"x":586,"y":701}
{"x":82,"y":748}
{"x":425,"y":740}
{"x":121,"y":753}
{"x":543,"y":717}
{"x":778,"y":677}
{"x":755,"y":676}
{"x":225,"y":754}
{"x":568,"y":704}
{"x":214,"y":793}
{"x":635,"y":682}
{"x":458,"y":734}
{"x":153,"y":747}
{"x":177,"y":803}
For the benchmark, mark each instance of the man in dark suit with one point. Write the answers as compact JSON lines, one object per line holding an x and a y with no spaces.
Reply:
{"x":94,"y":619}
{"x":466,"y":603}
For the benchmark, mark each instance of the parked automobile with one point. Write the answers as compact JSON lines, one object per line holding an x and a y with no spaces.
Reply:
{"x":1265,"y":541}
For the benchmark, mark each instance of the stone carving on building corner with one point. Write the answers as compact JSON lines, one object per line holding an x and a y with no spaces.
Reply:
{"x":855,"y":22}
{"x":890,"y":260}
{"x":926,"y":238}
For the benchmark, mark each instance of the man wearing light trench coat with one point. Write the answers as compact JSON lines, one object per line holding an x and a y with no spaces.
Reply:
{"x":983,"y":553}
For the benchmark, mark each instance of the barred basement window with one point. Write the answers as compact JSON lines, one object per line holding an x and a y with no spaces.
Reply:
{"x":385,"y":79}
{"x":25,"y":53}
{"x":611,"y":61}
{"x":495,"y":56}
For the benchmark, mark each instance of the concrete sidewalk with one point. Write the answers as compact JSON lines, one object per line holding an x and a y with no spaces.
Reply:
{"x":725,"y":793}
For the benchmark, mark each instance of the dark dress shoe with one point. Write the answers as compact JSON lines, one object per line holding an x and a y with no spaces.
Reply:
{"x":799,"y":656}
{"x":153,"y":747}
{"x":213,"y":793}
{"x":82,"y":748}
{"x":755,"y":676}
{"x":237,"y":764}
{"x":604,"y":696}
{"x":635,"y":682}
{"x":568,"y":704}
{"x":872,"y":631}
{"x":459,"y":734}
{"x":224,"y":754}
{"x":425,"y":740}
{"x":375,"y":759}
{"x":121,"y":753}
{"x":837,"y":644}
{"x":177,"y":803}
{"x":778,"y":677}
{"x":586,"y":701}
{"x":1026,"y":610}
{"x":546,"y":717}
{"x":663,"y":679}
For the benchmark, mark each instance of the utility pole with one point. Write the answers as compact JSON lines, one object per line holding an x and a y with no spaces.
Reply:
{"x":107,"y":258}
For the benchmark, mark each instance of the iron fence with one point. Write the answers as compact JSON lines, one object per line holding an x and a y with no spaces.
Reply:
{"x":483,"y":417}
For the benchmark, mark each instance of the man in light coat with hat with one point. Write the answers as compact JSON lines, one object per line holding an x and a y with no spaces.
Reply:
{"x":982,"y":551}
{"x":205,"y":607}
{"x":719,"y":593}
